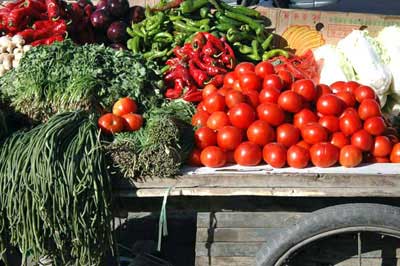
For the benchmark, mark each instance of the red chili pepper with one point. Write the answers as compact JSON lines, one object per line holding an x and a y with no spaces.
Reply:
{"x":27,"y":35}
{"x":55,"y":38}
{"x":16,"y":16}
{"x":208,"y":60}
{"x":198,"y":75}
{"x":12,"y":5}
{"x":193,"y":95}
{"x":53,"y":9}
{"x":198,"y":41}
{"x":217,"y":80}
{"x":229,"y":58}
{"x":173,"y":61}
{"x":179,"y":72}
{"x":200,"y":64}
{"x":214,"y":41}
{"x":176,"y":92}
{"x":214,"y":70}
{"x":209,"y":49}
{"x":36,"y":5}
{"x":88,"y":10}
{"x":42,"y":24}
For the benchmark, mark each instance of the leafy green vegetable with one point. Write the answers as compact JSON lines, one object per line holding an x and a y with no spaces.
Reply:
{"x":65,"y":77}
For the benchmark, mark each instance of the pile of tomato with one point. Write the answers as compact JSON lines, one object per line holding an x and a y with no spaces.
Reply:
{"x":262,"y":115}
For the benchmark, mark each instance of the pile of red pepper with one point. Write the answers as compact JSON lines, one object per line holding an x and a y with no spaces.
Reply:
{"x":203,"y":61}
{"x":46,"y":21}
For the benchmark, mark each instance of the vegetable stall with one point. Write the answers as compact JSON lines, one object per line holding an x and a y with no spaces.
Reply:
{"x":107,"y":103}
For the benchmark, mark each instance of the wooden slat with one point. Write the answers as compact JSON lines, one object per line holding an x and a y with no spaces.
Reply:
{"x":234,"y":234}
{"x":225,"y":261}
{"x":243,"y":249}
{"x":247,"y":219}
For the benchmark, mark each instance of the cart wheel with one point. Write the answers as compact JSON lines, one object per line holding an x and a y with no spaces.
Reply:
{"x":336,"y":220}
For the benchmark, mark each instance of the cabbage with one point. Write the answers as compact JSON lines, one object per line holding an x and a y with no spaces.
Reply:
{"x":389,"y":39}
{"x":333,"y":65}
{"x":364,"y":54}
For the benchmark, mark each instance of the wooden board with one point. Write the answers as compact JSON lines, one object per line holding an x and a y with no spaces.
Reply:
{"x":225,"y":261}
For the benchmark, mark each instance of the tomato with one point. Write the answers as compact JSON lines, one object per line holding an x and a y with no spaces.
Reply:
{"x":339,"y":139}
{"x":304,"y":117}
{"x":303,"y":144}
{"x":242,"y":115}
{"x":274,"y":154}
{"x":213,"y":156}
{"x":205,"y":137}
{"x":372,"y":159}
{"x":287,"y":134}
{"x":111,"y":124}
{"x":272,"y":81}
{"x":330,"y":104}
{"x":362,"y":140}
{"x":286,"y":77}
{"x":251,"y":97}
{"x":244,"y":67}
{"x":236,"y":85}
{"x":223,"y":91}
{"x":298,"y":157}
{"x":194,"y":158}
{"x":313,"y":133}
{"x":364,"y":92}
{"x":305,"y":88}
{"x":133,"y":122}
{"x":214,"y":103}
{"x":233,"y":97}
{"x":271,"y":113}
{"x":330,"y":122}
{"x":229,"y":80}
{"x":260,"y":132}
{"x":369,"y":108}
{"x":350,"y":156}
{"x":230,"y":157}
{"x":350,"y":86}
{"x":347,"y":97}
{"x":248,"y":154}
{"x":323,"y":89}
{"x":264,"y":68}
{"x":229,"y":137}
{"x":290,"y":101}
{"x":338,"y":86}
{"x":124,"y":106}
{"x":217,"y":120}
{"x":324,"y":154}
{"x":201,"y":107}
{"x":269,"y":95}
{"x":200,"y":118}
{"x":375,"y":125}
{"x":208,"y":90}
{"x":350,"y":123}
{"x":249,"y":81}
{"x":382,"y":146}
{"x":395,"y":154}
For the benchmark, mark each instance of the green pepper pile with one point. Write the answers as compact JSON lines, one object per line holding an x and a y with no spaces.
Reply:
{"x":172,"y":24}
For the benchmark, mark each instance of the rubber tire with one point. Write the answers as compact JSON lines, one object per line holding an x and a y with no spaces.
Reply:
{"x":326,"y":220}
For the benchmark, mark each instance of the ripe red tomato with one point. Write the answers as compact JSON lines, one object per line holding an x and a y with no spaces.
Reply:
{"x":382,"y":146}
{"x":271,"y":113}
{"x":215,"y":102}
{"x":364,"y":92}
{"x":269,"y":95}
{"x":350,"y":156}
{"x":124,"y":106}
{"x":304,"y":117}
{"x":111,"y":124}
{"x":217,"y":120}
{"x":194,"y":158}
{"x":286,"y":77}
{"x":330,"y":122}
{"x":249,"y":81}
{"x":375,"y":125}
{"x":347,"y":97}
{"x":205,"y":137}
{"x":323,"y":89}
{"x":339,"y":139}
{"x":274,"y":154}
{"x":229,"y":137}
{"x":200,"y":118}
{"x":213,"y":156}
{"x":223,"y":91}
{"x":260,"y":132}
{"x":208,"y":90}
{"x":133,"y":122}
{"x":305,"y":88}
{"x":233,"y":97}
{"x":298,"y":157}
{"x":287,"y":134}
{"x":272,"y":81}
{"x":338,"y":86}
{"x":201,"y":107}
{"x":369,"y":108}
{"x":372,"y":159}
{"x":349,"y":111}
{"x":264,"y":68}
{"x":314,"y":133}
{"x":395,"y":154}
{"x":350,"y":86}
{"x":251,"y":97}
{"x":236,"y":85}
{"x":362,"y":140}
{"x":229,"y":80}
{"x":290,"y":101}
{"x":350,"y":123}
{"x":324,"y":154}
{"x":330,"y":104}
{"x":303,"y":144}
{"x":248,"y":154}
{"x":242,"y":115}
{"x":244,"y":67}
